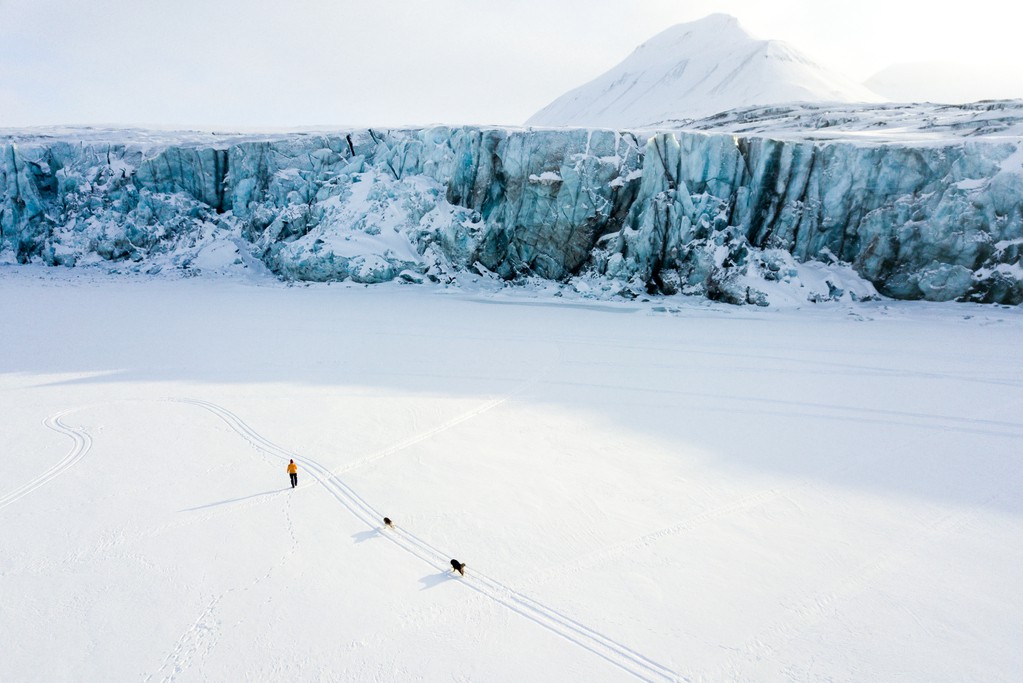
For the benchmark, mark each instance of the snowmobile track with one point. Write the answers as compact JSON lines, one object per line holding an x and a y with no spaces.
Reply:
{"x":605,"y":647}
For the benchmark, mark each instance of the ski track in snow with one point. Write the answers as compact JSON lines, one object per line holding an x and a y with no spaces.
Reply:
{"x":81,"y":445}
{"x":584,"y":637}
{"x":423,"y":436}
{"x":812,"y":365}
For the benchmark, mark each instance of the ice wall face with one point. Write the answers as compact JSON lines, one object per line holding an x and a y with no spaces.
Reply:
{"x":936,"y":223}
{"x":713,"y":214}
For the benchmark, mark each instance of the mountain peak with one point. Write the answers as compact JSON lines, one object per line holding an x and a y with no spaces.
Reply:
{"x":716,"y":22}
{"x":713,"y":22}
{"x":695,"y":34}
{"x":696,"y":69}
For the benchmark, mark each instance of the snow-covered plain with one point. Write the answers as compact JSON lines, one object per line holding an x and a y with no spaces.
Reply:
{"x":644,"y":490}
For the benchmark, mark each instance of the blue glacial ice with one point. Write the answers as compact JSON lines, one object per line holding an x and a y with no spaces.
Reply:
{"x":718,"y":214}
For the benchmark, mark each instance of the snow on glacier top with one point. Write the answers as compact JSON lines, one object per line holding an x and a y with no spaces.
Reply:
{"x":879,"y":123}
{"x":694,"y":70}
{"x":913,"y":123}
{"x":153,"y":138}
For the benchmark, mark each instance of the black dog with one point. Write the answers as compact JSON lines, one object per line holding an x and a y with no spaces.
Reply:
{"x":388,"y":523}
{"x":457,"y":566}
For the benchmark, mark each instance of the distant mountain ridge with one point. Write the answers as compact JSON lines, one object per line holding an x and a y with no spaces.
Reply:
{"x":694,"y":70}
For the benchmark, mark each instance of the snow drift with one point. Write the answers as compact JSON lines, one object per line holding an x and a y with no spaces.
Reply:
{"x":726,"y":215}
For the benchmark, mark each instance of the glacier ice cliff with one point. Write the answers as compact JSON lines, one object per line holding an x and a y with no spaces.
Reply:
{"x":717,"y":214}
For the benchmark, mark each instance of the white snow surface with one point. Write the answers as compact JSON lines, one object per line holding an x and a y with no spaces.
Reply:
{"x":654,"y":491}
{"x":696,"y":69}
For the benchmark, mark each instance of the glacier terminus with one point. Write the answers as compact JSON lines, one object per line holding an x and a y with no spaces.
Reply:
{"x":906,"y":201}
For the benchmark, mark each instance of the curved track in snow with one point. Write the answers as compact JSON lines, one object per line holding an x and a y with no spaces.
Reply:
{"x":82,"y":442}
{"x":603,"y":646}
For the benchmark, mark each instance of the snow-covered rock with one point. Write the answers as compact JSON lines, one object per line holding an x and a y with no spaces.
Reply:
{"x":696,"y":69}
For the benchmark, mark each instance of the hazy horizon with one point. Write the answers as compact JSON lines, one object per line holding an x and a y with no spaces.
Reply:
{"x":259,"y":65}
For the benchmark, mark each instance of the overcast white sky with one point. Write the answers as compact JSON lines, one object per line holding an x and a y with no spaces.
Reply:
{"x":250,"y":63}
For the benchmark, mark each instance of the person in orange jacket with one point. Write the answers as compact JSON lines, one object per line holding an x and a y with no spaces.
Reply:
{"x":293,"y":471}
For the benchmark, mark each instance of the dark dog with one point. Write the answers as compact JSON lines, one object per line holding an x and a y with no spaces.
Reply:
{"x":457,"y":566}
{"x":388,"y":523}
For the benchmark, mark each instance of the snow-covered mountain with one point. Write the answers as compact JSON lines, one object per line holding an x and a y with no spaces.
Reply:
{"x":694,"y":70}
